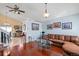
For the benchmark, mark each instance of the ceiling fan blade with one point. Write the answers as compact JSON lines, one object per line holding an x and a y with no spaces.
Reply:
{"x":21,"y":11}
{"x":9,"y":7}
{"x":11,"y":10}
{"x":16,"y":7}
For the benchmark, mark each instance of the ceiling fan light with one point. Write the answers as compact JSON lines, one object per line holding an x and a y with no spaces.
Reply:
{"x":46,"y":15}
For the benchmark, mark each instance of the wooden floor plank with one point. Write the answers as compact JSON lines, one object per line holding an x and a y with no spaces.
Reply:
{"x":32,"y":49}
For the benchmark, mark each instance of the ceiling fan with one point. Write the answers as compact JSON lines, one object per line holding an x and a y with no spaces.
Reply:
{"x":15,"y":9}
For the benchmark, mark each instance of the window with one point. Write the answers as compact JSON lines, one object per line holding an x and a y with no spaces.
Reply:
{"x":5,"y":33}
{"x":6,"y":28}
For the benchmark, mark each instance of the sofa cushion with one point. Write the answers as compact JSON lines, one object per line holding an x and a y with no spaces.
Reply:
{"x":61,"y":37}
{"x":67,"y":38}
{"x":73,"y":39}
{"x":77,"y":40}
{"x":56,"y":37}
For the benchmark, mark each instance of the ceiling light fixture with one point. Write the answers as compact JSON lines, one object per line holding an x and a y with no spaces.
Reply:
{"x":46,"y":14}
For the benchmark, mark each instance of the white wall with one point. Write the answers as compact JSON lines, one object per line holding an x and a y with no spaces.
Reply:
{"x":43,"y":27}
{"x":75,"y":25}
{"x":29,"y":32}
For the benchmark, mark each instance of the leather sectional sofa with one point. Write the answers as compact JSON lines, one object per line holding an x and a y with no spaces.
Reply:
{"x":67,"y":38}
{"x":70,"y":44}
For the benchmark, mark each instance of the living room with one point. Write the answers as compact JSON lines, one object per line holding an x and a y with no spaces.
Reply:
{"x":39,"y":29}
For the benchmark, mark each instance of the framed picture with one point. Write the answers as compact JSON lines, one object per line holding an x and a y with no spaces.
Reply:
{"x":57,"y":25}
{"x":67,"y":25}
{"x":49,"y":26}
{"x":35,"y":26}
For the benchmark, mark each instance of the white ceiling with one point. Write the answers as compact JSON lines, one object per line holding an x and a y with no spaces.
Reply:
{"x":35,"y":11}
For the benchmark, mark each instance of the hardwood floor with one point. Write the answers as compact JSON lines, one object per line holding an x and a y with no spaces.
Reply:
{"x":32,"y":49}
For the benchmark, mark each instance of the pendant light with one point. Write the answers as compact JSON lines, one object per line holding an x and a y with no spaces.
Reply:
{"x":46,"y":14}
